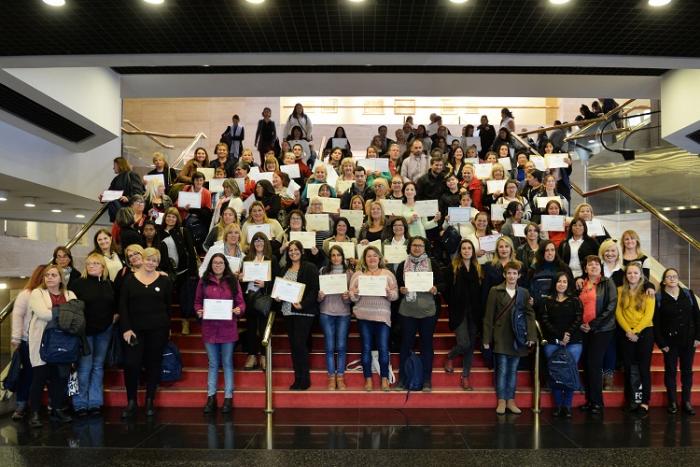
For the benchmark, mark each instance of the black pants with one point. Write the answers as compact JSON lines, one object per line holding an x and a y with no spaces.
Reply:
{"x":594,"y":345}
{"x":686,"y":355}
{"x":56,"y":376}
{"x":148,"y":353}
{"x":640,"y":353}
{"x":299,"y":330}
{"x":255,"y":328}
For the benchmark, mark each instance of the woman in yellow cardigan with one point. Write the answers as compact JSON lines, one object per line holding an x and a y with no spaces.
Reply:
{"x":634,"y":313}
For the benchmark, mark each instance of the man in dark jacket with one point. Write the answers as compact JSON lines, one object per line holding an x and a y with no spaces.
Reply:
{"x":359,"y":187}
{"x":432,"y":184}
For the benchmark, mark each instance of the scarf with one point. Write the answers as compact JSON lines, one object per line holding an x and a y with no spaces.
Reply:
{"x":416,"y":264}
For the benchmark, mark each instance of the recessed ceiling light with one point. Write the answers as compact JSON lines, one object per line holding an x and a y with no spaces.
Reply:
{"x":558,"y":2}
{"x":255,"y":2}
{"x":3,"y":286}
{"x":80,"y":216}
{"x":29,"y":205}
{"x":155,"y":2}
{"x":56,"y":210}
{"x":3,"y":196}
{"x":55,"y":2}
{"x":458,"y":1}
{"x":356,"y":1}
{"x":659,"y":2}
{"x":29,"y":202}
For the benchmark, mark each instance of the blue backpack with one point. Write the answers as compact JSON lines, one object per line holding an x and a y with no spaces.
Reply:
{"x":58,"y":346}
{"x":563,"y":369}
{"x":171,"y":367}
{"x":519,"y":321}
{"x":413,"y":373}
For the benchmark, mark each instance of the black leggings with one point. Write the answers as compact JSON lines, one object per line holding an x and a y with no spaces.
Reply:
{"x":56,"y":376}
{"x":299,"y":330}
{"x":640,"y":353}
{"x":594,"y":345}
{"x":148,"y":353}
{"x":255,"y":328}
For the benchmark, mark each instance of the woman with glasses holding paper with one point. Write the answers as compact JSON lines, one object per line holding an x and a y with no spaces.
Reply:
{"x":255,"y":222}
{"x":335,"y":314}
{"x":372,"y":289}
{"x":297,"y":224}
{"x":419,"y":279}
{"x":417,"y":225}
{"x":219,"y":303}
{"x":299,"y":311}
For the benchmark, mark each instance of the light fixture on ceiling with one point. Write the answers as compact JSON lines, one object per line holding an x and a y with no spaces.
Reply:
{"x":459,"y":1}
{"x":3,"y":286}
{"x":155,"y":2}
{"x":80,"y":216}
{"x":356,"y":1}
{"x":255,"y":2}
{"x":29,"y":202}
{"x":55,"y":2}
{"x":558,"y":2}
{"x":658,"y":3}
{"x":3,"y":196}
{"x":56,"y":211}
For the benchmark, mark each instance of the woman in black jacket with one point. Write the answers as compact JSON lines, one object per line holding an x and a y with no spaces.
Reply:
{"x":265,"y":193}
{"x":95,"y":289}
{"x":677,"y":333}
{"x":464,"y":285}
{"x":577,"y":240}
{"x":562,"y":315}
{"x":126,"y":181}
{"x":300,"y":316}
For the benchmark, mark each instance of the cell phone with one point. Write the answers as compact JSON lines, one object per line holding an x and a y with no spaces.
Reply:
{"x":133,"y":341}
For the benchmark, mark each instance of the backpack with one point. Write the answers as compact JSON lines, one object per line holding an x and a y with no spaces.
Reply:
{"x":413,"y":373}
{"x":59,"y":346}
{"x":563,"y":369}
{"x":450,"y":240}
{"x":171,"y":366}
{"x":519,"y":321}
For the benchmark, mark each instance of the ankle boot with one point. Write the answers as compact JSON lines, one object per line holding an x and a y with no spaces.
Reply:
{"x":185,"y":327}
{"x":385,"y":385}
{"x":35,"y":420}
{"x":210,"y":406}
{"x":340,"y":382}
{"x":331,"y":383}
{"x":510,"y":405}
{"x":368,"y":384}
{"x":501,"y":407}
{"x":60,"y":416}
{"x":130,"y":410}
{"x":228,"y":405}
{"x":150,"y":408}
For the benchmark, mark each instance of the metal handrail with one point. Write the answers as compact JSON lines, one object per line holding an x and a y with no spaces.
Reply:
{"x":685,"y":236}
{"x":537,"y":390}
{"x":188,"y":149}
{"x":144,"y":133}
{"x":76,"y":238}
{"x":587,"y":123}
{"x":267,"y":343}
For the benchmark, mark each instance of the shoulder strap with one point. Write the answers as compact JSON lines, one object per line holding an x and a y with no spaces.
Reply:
{"x":507,"y":308}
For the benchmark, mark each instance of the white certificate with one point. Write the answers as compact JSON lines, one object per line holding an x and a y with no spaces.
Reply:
{"x":160,"y":179}
{"x":426,"y":208}
{"x":255,"y":228}
{"x":552,"y":223}
{"x":292,"y":188}
{"x":459,"y":215}
{"x":348,"y":248}
{"x":539,"y":162}
{"x":111,"y":195}
{"x":492,"y":186}
{"x":488,"y":242}
{"x":262,"y":176}
{"x":287,"y":291}
{"x":497,"y":211}
{"x":374,"y":164}
{"x":159,"y":219}
{"x":505,"y":162}
{"x":218,"y":309}
{"x":234,"y":263}
{"x":208,"y":172}
{"x":292,"y":170}
{"x":317,"y":222}
{"x":241,"y":184}
{"x":253,"y":271}
{"x":554,"y":161}
{"x":418,"y":281}
{"x":392,"y":207}
{"x":194,"y":200}
{"x":355,"y":218}
{"x":372,"y":286}
{"x":483,"y":171}
{"x":361,"y":248}
{"x":331,"y":205}
{"x":331,"y":176}
{"x":543,"y":200}
{"x":248,"y":203}
{"x":331,"y":284}
{"x":312,"y":190}
{"x":519,"y":230}
{"x":472,"y":141}
{"x":253,"y":170}
{"x":339,"y":143}
{"x":395,"y":254}
{"x":341,"y":186}
{"x":307,"y":239}
{"x":595,"y":228}
{"x":472,"y":160}
{"x":216,"y":185}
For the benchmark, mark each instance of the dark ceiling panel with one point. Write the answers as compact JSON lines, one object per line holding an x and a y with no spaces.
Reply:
{"x":618,"y":27}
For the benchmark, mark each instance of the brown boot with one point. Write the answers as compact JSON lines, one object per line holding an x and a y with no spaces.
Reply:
{"x":263,"y":362}
{"x":185,"y":327}
{"x":385,"y":384}
{"x":340,"y":382}
{"x":250,"y":363}
{"x":501,"y":407}
{"x":449,"y":367}
{"x":466,"y":384}
{"x":331,"y":383}
{"x":510,"y":406}
{"x":368,"y":384}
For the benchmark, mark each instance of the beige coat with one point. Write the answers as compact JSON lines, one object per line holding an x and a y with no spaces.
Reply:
{"x":40,"y":308}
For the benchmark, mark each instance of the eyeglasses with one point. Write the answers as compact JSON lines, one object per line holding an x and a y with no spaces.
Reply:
{"x":417,"y":245}
{"x":669,"y":276}
{"x":259,"y":240}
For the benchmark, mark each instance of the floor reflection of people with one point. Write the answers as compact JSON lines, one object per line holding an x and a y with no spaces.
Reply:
{"x":89,"y":432}
{"x":506,"y":436}
{"x":337,"y":438}
{"x":213,"y":433}
{"x":672,"y":437}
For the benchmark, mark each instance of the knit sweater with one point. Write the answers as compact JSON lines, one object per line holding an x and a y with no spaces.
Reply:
{"x":335,"y":304}
{"x":632,"y":320}
{"x":374,"y":308}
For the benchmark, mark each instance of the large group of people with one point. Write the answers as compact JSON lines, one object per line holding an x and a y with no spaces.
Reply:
{"x":478,"y":223}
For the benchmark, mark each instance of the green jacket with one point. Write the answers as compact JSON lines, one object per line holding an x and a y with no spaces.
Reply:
{"x":499,"y":333}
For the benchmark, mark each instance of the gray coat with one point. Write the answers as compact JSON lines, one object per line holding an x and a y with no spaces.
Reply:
{"x":498,"y":333}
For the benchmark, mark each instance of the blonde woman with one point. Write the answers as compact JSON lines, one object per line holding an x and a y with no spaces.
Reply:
{"x":373,"y":228}
{"x":229,"y":244}
{"x":231,"y":198}
{"x":227,"y":218}
{"x":258,"y":217}
{"x":632,"y":251}
{"x":157,"y":202}
{"x":161,"y":168}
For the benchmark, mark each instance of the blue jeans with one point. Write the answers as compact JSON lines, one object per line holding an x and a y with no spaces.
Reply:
{"x":506,"y":375}
{"x":25,"y":376}
{"x":426,"y":329}
{"x":220,"y":353}
{"x":378,"y":332}
{"x":335,"y":328}
{"x":91,"y":372}
{"x":563,"y":396}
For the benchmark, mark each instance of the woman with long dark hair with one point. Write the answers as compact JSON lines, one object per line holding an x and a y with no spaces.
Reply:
{"x":265,"y":193}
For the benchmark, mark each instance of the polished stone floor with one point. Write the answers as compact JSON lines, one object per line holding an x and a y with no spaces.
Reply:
{"x":182,"y":434}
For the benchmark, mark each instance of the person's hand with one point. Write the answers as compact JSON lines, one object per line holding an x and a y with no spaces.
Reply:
{"x":377,"y":173}
{"x":568,"y":160}
{"x":115,"y":318}
{"x":259,"y":283}
{"x":14,"y":344}
{"x":585,"y":327}
{"x":354,"y":291}
{"x":497,"y":193}
{"x":388,"y":291}
{"x":321,"y":295}
{"x":200,"y":313}
{"x":277,"y":299}
{"x":666,"y":349}
{"x":346,"y":296}
{"x":486,"y":346}
{"x":187,"y":207}
{"x":128,"y":335}
{"x":99,"y":197}
{"x":531,"y":301}
{"x":530,"y":343}
{"x":632,"y":337}
{"x":438,"y":216}
{"x":364,"y":242}
{"x":124,"y":199}
{"x":297,"y":306}
{"x":414,"y":218}
{"x":579,"y":283}
{"x":314,"y":250}
{"x":433,"y":290}
{"x":480,"y":253}
{"x":566,"y":339}
{"x":447,"y":218}
{"x":650,"y":292}
{"x":403,"y":290}
{"x":236,"y":311}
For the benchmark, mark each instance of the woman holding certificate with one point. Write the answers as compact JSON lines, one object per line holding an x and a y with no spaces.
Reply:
{"x":230,"y":246}
{"x":419,"y":279}
{"x":577,"y":246}
{"x":335,"y":314}
{"x":482,"y":227}
{"x":301,"y":313}
{"x":417,"y":225}
{"x":372,"y":289}
{"x":256,"y":282}
{"x":545,"y":194}
{"x":228,"y":217}
{"x":219,"y":302}
{"x":373,"y":228}
{"x":297,"y":225}
{"x":553,"y":208}
{"x":265,"y":193}
{"x":259,"y":222}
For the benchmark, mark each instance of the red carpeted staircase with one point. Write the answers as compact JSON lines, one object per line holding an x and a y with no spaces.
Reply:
{"x":190,"y":391}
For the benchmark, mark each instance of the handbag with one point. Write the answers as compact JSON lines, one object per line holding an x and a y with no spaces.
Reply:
{"x":262,"y":303}
{"x":115,"y":351}
{"x":11,"y":379}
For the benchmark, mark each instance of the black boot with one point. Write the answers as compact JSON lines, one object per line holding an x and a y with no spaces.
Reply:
{"x":150,"y":408}
{"x":35,"y":420}
{"x":60,"y":416}
{"x":688,"y":408}
{"x":228,"y":405}
{"x":130,"y":410}
{"x":210,"y":407}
